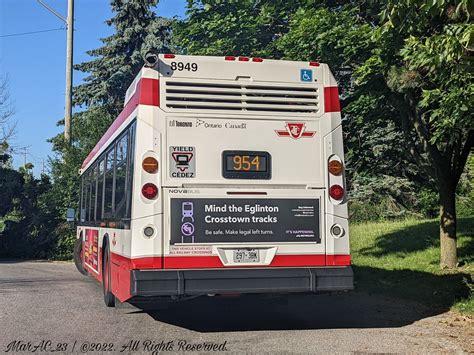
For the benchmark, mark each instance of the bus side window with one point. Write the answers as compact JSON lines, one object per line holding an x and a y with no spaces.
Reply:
{"x":109,"y":182}
{"x":83,"y":198}
{"x":120,"y":177}
{"x":100,"y":190}
{"x":93,"y":184}
{"x":130,"y":162}
{"x":86,"y":196}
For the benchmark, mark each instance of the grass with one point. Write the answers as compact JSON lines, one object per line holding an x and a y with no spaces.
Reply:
{"x":402,"y":259}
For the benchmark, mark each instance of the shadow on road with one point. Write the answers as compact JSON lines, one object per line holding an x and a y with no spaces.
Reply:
{"x":354,"y":309}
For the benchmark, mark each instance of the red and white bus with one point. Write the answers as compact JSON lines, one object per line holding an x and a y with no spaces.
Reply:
{"x":221,"y":175}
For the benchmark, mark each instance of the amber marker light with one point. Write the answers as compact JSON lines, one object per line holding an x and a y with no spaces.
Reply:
{"x":150,"y":165}
{"x":335,"y":167}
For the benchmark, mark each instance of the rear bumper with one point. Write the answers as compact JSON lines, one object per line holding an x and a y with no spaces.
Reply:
{"x":275,"y":280}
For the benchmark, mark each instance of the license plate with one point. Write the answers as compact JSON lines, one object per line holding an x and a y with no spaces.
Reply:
{"x":246,"y":256}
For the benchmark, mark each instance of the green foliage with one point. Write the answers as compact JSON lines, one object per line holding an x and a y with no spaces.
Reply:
{"x":466,"y":305}
{"x":429,"y":73}
{"x":383,"y":176}
{"x":406,"y":83}
{"x":335,"y":35}
{"x":88,"y":127}
{"x":465,"y":190}
{"x":236,"y":27}
{"x":64,"y":245}
{"x":382,"y":197}
{"x":28,"y":217}
{"x":428,"y":202}
{"x":32,"y":211}
{"x":116,"y":63}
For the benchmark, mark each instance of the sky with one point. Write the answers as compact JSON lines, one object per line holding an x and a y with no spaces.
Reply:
{"x":35,"y":63}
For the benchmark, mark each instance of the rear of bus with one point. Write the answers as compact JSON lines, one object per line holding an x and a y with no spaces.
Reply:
{"x":248,"y":194}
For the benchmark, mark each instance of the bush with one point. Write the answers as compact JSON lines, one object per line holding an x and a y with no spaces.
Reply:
{"x":64,"y":245}
{"x":376,"y":198}
{"x":427,"y":203}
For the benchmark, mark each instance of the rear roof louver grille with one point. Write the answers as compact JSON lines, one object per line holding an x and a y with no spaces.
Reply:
{"x":241,"y":97}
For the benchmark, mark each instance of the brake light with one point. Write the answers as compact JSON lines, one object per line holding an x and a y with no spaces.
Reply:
{"x":258,"y":60}
{"x":229,"y":57}
{"x":244,"y":59}
{"x":314,"y":64}
{"x":169,"y":56}
{"x":149,"y":191}
{"x":335,"y":167}
{"x":150,"y":165}
{"x":336,"y":192}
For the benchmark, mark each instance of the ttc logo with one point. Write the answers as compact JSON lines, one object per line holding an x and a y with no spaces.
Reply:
{"x":295,"y":130}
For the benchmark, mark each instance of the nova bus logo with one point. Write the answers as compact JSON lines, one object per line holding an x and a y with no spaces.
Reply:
{"x":295,"y":130}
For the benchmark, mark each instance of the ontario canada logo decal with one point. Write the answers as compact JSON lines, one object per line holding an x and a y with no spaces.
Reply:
{"x":295,"y":130}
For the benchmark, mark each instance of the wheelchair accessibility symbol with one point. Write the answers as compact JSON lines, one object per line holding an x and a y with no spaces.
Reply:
{"x":306,"y":75}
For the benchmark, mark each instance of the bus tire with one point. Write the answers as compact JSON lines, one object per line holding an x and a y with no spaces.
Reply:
{"x":78,"y":257}
{"x":109,"y":298}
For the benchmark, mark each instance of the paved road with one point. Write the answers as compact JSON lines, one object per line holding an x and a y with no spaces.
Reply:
{"x":52,"y":301}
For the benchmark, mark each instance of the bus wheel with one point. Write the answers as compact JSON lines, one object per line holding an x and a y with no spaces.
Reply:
{"x":109,"y":298}
{"x":78,"y":257}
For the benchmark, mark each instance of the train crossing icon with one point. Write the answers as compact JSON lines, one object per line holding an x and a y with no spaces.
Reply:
{"x":187,"y":220}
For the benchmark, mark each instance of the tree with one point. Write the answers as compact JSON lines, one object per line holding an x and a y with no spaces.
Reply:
{"x":423,"y":57}
{"x":405,"y":70}
{"x":382,"y":175}
{"x":117,"y":62}
{"x":88,"y":126}
{"x":110,"y":73}
{"x":234,"y":27}
{"x":406,"y":73}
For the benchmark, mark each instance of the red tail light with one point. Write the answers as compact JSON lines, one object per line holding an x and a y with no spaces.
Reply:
{"x":229,"y":57}
{"x":149,"y":191}
{"x":314,"y":64}
{"x":169,"y":56}
{"x":244,"y":59}
{"x":336,"y":192}
{"x":331,"y":99}
{"x":258,"y":60}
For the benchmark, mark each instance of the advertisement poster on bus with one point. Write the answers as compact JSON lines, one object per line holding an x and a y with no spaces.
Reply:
{"x":91,"y":256}
{"x":206,"y":220}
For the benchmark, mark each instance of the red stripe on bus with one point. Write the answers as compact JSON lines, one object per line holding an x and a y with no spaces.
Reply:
{"x":213,"y":261}
{"x":192,"y":262}
{"x":121,"y":267}
{"x":331,"y":99}
{"x":146,"y":93}
{"x":338,"y":260}
{"x":298,"y":260}
{"x":151,"y":262}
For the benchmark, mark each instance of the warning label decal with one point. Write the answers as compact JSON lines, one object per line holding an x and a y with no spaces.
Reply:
{"x":182,"y":162}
